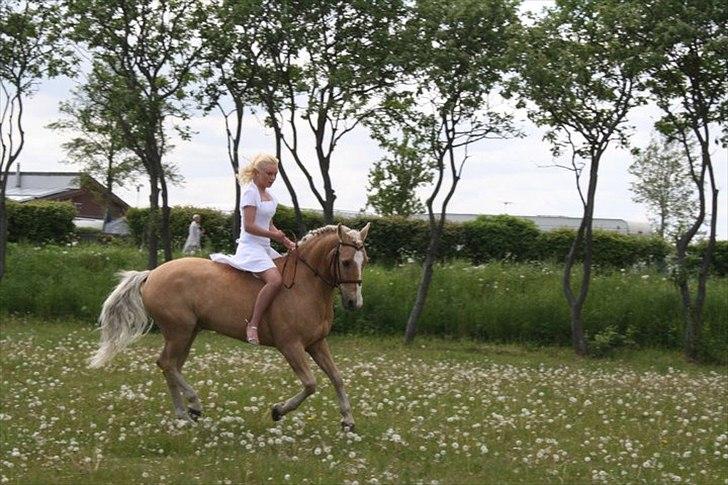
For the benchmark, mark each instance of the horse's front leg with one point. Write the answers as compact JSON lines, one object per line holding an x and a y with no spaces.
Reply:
{"x":296,"y":357}
{"x":322,"y":355}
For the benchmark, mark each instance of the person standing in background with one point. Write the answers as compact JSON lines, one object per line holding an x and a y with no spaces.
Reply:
{"x":192,"y":244}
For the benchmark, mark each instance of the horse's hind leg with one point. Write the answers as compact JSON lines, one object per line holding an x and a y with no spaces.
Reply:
{"x":296,"y":357}
{"x":178,"y":340}
{"x":195,"y":407}
{"x":168,"y":363}
{"x":322,"y":355}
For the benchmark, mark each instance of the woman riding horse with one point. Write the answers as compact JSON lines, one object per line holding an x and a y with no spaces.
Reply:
{"x":254,"y":253}
{"x":187,"y":295}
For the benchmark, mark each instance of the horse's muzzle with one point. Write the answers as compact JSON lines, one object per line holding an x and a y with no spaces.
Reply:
{"x":352,"y":303}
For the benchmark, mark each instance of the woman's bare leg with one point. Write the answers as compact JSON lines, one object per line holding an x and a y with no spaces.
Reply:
{"x":273,"y":283}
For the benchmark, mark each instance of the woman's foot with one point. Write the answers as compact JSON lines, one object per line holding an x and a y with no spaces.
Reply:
{"x":251,"y":333}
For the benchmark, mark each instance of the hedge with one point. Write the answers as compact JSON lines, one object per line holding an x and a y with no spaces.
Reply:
{"x":394,"y":240}
{"x":609,"y":248}
{"x":40,"y":221}
{"x":489,"y":238}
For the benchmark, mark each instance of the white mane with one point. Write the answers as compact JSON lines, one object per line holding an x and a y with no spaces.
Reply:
{"x":315,"y":232}
{"x":352,"y":233}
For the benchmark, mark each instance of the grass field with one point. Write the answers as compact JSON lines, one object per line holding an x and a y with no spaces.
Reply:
{"x":440,"y":411}
{"x":495,"y":302}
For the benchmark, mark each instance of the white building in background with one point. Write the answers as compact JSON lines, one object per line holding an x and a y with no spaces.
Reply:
{"x":544,"y":223}
{"x":551,"y":223}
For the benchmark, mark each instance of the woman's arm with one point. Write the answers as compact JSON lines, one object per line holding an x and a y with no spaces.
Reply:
{"x":290,"y":245}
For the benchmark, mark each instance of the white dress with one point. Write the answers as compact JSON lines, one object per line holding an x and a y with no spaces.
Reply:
{"x":254,"y":253}
{"x":192,"y":243}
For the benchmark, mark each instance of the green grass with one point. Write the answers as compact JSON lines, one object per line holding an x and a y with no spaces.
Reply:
{"x":441,"y":410}
{"x":497,"y":302}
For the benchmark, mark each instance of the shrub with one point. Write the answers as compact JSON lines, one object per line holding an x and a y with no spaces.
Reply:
{"x":217,"y":225}
{"x":285,"y":220}
{"x":40,"y":221}
{"x":609,"y":248}
{"x":489,"y":238}
{"x":719,"y":262}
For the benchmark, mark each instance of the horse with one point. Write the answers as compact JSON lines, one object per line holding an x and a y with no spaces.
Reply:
{"x":187,"y":295}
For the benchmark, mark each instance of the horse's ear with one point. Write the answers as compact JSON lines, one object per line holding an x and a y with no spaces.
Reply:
{"x":340,"y":232}
{"x":364,"y":230}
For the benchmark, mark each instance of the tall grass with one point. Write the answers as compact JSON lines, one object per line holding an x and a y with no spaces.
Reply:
{"x":500,"y":302}
{"x":507,"y":302}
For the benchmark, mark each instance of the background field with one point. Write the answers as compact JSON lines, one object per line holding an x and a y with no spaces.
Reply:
{"x":444,"y":411}
{"x":504,"y":302}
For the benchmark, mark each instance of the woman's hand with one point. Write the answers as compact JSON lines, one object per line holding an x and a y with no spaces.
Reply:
{"x":290,"y":245}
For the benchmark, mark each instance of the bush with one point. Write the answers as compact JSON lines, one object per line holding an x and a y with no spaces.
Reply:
{"x":40,"y":221}
{"x":217,"y":225}
{"x":285,"y":220}
{"x":610,"y":249}
{"x":489,"y":238}
{"x":719,"y":261}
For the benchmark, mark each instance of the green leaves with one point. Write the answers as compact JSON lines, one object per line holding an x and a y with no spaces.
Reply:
{"x":580,"y":68}
{"x":664,"y":185}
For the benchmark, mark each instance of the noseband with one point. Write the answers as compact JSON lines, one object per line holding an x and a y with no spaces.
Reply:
{"x":334,"y":267}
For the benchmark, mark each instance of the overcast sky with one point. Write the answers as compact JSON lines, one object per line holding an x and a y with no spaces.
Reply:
{"x":501,"y":176}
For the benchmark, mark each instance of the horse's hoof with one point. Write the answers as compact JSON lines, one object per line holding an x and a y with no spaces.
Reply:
{"x":348,"y":427}
{"x":276,"y":413}
{"x":194,"y":414}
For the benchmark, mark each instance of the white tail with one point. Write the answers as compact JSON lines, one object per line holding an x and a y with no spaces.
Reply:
{"x":123,"y":318}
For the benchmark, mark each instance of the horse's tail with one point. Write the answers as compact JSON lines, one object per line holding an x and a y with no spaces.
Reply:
{"x":123,"y":318}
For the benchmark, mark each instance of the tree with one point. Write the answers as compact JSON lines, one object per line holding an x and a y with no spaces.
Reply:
{"x":580,"y":70}
{"x":394,"y":179}
{"x":456,"y":56}
{"x":144,"y":56}
{"x":249,"y":57}
{"x":340,"y":60}
{"x":32,"y":47}
{"x":98,"y":146}
{"x":664,"y":185}
{"x":686,"y":44}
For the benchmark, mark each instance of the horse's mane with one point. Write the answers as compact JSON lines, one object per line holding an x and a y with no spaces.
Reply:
{"x":315,"y":232}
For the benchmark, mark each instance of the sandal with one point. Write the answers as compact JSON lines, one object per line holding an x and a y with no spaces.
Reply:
{"x":253,"y":340}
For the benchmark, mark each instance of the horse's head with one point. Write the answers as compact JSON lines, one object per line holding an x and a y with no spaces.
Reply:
{"x":348,"y":265}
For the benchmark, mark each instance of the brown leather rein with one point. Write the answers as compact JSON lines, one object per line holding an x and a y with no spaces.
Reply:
{"x":334,"y":268}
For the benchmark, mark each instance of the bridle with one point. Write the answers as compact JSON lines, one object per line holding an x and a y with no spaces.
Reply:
{"x":334,"y":267}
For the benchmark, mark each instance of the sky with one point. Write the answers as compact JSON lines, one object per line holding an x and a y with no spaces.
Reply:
{"x":513,"y":176}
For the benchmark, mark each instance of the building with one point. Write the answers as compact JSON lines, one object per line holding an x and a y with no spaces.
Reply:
{"x":543,"y":223}
{"x":83,"y":191}
{"x":551,"y":223}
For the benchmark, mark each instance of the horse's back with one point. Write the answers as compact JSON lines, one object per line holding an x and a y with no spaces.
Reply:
{"x":194,"y":287}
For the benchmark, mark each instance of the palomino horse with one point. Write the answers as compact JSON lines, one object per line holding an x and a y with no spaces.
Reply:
{"x":187,"y":295}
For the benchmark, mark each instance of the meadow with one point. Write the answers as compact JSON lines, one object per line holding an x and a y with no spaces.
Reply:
{"x":440,"y":411}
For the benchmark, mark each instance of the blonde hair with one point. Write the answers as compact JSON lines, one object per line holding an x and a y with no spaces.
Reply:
{"x":246,"y":173}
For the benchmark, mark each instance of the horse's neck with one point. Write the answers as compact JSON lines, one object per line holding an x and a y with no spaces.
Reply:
{"x":316,"y":253}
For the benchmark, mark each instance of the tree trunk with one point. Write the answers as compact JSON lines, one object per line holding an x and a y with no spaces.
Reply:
{"x":152,"y":227}
{"x":424,"y":286}
{"x":109,"y":182}
{"x":583,"y":237}
{"x":328,"y":209}
{"x":294,"y":197}
{"x":3,"y":231}
{"x":237,"y":217}
{"x":166,"y":232}
{"x":693,"y":310}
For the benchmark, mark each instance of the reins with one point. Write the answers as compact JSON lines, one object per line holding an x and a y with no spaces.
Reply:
{"x":334,"y":268}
